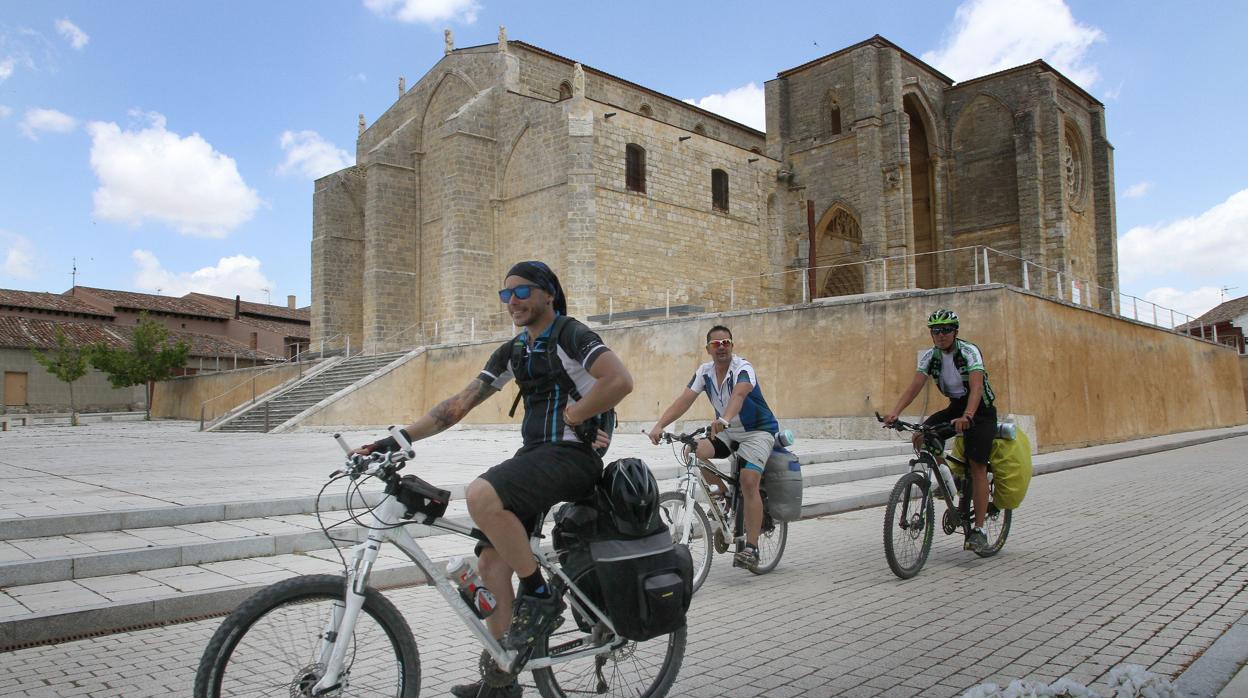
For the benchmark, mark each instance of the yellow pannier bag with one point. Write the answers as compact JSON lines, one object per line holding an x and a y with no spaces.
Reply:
{"x":1011,"y":468}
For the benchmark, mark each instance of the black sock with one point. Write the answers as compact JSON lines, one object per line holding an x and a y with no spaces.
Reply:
{"x":535,"y":584}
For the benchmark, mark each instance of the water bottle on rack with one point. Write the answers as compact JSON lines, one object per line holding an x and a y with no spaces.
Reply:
{"x":946,"y":480}
{"x":785,"y":438}
{"x":463,"y":572}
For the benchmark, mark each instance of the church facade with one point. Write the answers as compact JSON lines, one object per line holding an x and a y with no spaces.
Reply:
{"x":876,"y":172}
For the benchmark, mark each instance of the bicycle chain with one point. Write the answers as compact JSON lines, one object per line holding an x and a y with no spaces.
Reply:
{"x":492,"y":673}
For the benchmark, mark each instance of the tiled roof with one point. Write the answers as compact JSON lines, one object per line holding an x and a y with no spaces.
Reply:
{"x":263,"y":310}
{"x":154,"y":303}
{"x":31,"y":333}
{"x":295,"y":330}
{"x":1226,"y":312}
{"x":48,"y":301}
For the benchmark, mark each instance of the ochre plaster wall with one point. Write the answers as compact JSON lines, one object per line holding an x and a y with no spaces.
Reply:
{"x":180,"y":398}
{"x":1088,"y":378}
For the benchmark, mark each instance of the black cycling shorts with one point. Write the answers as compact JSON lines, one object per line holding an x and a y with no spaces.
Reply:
{"x":977,"y":440}
{"x":542,"y":475}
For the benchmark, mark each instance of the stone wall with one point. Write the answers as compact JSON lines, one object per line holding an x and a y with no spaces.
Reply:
{"x":1086,"y":377}
{"x":183,"y":397}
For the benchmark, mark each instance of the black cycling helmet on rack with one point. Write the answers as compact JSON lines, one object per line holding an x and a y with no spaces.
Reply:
{"x":631,"y":496}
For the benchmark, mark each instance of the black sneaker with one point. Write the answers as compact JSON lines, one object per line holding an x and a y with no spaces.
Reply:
{"x":977,"y":541}
{"x":532,"y":617}
{"x":747,"y":557}
{"x":481,"y":689}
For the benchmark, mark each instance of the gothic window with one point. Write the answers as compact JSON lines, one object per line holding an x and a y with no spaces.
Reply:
{"x":719,"y":190}
{"x":834,"y":119}
{"x":635,"y":167}
{"x":756,"y":151}
{"x":699,"y":129}
{"x":844,"y":226}
{"x":645,"y":110}
{"x":565,"y":90}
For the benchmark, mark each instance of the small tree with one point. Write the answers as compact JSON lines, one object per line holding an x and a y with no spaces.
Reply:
{"x":68,"y":364}
{"x":150,"y":358}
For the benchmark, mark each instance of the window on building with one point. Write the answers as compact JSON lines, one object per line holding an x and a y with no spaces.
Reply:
{"x":645,"y":110}
{"x":255,"y":340}
{"x":635,"y":167}
{"x":565,"y":90}
{"x":834,"y":119}
{"x":719,"y":190}
{"x":699,"y":129}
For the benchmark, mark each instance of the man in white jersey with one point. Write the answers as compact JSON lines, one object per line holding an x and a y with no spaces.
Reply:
{"x":743,"y":422}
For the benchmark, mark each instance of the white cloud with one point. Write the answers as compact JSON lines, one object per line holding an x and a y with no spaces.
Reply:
{"x":358,"y":77}
{"x":151,"y":173}
{"x":238,"y":274}
{"x":1194,"y":303}
{"x":309,"y":155}
{"x":1138,"y":189}
{"x":39,"y":121}
{"x":18,"y":256}
{"x":71,"y":33}
{"x":1203,"y":247}
{"x":5,"y":112}
{"x":426,"y":11}
{"x":6,"y":68}
{"x":991,"y":35}
{"x":746,"y":104}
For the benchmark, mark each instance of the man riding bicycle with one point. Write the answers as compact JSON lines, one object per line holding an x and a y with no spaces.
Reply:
{"x":743,"y":422}
{"x":568,"y":379}
{"x":957,"y":366}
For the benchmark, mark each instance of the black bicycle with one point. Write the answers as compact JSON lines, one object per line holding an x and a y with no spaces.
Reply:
{"x":910,"y":515}
{"x":705,"y":535}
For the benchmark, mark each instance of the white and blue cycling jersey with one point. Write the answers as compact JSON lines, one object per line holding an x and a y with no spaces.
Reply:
{"x":755,"y":415}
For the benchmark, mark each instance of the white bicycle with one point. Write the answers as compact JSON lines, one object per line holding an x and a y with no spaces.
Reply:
{"x":706,"y":535}
{"x":331,"y":635}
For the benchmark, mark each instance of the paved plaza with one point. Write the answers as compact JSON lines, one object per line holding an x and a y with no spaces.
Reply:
{"x":1135,"y":561}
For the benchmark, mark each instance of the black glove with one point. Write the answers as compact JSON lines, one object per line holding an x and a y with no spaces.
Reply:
{"x":390,"y":444}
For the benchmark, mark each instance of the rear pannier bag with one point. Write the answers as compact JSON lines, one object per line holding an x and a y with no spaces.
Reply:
{"x":782,"y":481}
{"x":647,"y":583}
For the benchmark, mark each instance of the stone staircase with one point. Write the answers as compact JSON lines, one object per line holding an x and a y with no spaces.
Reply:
{"x":268,"y":414}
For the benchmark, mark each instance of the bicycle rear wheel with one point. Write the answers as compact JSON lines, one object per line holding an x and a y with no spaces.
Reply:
{"x":997,"y":528}
{"x":771,"y":542}
{"x":907,"y":530}
{"x":678,"y":516}
{"x":270,"y":645}
{"x":644,"y":669}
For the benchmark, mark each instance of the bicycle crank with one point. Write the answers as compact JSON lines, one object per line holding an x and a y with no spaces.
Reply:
{"x":492,"y":673}
{"x":949,"y":522}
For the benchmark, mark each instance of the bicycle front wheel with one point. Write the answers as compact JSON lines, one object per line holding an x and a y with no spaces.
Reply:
{"x":908,"y":525}
{"x":271,"y":645}
{"x":771,"y":542}
{"x":679,"y":517}
{"x":997,"y":529}
{"x":641,"y":669}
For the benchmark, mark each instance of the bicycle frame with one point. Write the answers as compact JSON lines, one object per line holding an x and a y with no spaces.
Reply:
{"x":340,"y":628}
{"x":690,"y":483}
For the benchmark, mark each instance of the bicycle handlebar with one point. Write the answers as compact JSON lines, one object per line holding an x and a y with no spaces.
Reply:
{"x":909,"y":426}
{"x":690,"y":439}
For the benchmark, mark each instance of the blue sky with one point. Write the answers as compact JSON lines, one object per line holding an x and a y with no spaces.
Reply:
{"x":172,"y":146}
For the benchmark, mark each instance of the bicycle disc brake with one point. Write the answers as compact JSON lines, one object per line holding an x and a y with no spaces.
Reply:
{"x":307,"y":677}
{"x":492,"y":673}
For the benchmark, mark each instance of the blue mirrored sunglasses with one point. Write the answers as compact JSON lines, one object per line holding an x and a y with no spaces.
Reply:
{"x":523,"y":291}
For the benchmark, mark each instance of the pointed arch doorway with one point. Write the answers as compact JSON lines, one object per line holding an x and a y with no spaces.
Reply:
{"x":839,"y":250}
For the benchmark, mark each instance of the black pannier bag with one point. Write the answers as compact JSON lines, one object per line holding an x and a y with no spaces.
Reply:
{"x":647,"y":583}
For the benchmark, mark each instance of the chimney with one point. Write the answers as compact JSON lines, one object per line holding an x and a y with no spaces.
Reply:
{"x":290,"y":302}
{"x":238,"y":304}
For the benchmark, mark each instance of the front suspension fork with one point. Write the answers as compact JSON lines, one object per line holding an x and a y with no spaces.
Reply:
{"x":341,"y":627}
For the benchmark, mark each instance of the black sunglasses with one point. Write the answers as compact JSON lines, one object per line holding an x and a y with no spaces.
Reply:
{"x":943,"y":330}
{"x":523,"y":291}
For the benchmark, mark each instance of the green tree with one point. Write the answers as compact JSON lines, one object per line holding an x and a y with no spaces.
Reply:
{"x":149,"y":358}
{"x":68,"y":364}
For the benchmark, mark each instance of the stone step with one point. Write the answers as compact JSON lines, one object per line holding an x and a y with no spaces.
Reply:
{"x":46,"y":611}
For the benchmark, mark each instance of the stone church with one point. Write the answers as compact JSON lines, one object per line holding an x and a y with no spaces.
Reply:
{"x":876,"y":172}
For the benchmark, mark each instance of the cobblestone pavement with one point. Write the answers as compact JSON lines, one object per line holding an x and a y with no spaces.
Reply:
{"x":1135,"y":561}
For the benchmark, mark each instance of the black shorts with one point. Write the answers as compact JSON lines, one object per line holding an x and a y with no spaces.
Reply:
{"x":977,"y":440}
{"x":542,"y":475}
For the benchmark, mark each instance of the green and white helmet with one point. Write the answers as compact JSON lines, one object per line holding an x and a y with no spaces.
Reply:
{"x":942,"y":317}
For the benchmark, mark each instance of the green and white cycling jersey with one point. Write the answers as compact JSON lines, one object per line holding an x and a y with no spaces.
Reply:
{"x":966,"y":357}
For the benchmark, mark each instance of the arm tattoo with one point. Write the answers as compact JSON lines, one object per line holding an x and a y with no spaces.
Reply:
{"x":448,"y":412}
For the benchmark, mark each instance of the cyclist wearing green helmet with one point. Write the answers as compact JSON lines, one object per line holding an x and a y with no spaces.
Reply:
{"x":957,"y":366}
